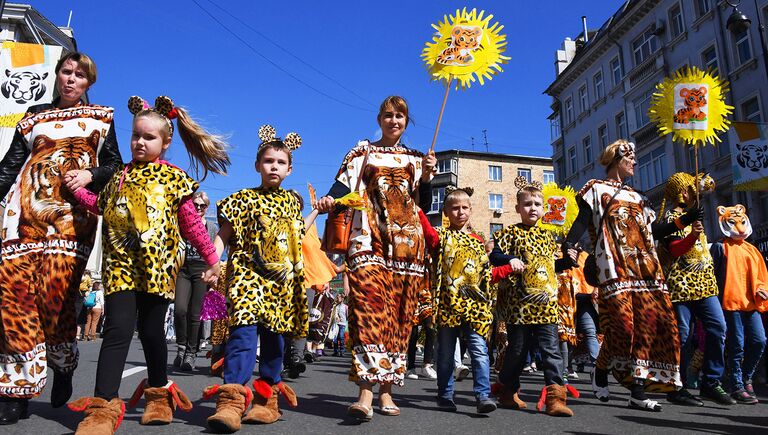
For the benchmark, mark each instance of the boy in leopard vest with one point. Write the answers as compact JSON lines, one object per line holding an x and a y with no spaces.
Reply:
{"x":263,"y":228}
{"x":527,"y":301}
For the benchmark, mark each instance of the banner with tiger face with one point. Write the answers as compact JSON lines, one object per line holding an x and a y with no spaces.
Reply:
{"x":27,"y":78}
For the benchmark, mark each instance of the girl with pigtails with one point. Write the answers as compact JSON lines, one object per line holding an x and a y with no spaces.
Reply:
{"x":147,"y":209}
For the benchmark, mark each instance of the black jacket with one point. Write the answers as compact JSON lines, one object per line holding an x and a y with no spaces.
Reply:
{"x":109,"y":158}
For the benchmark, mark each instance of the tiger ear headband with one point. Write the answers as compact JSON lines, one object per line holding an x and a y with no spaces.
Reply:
{"x":521,"y":183}
{"x":450,"y":189}
{"x":163,"y":106}
{"x":268,"y":135}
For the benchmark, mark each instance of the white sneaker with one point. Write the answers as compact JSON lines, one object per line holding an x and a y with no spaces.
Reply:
{"x":461,"y":372}
{"x":428,"y":372}
{"x":411,"y":374}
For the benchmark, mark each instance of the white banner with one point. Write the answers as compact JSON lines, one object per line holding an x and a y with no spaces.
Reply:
{"x":749,"y":145}
{"x":27,"y":78}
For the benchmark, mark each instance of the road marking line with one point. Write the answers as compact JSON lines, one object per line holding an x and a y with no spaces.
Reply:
{"x":132,"y":371}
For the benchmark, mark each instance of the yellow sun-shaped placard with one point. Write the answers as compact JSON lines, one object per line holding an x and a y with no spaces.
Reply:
{"x":691,"y":106}
{"x":560,"y":209}
{"x":466,"y":48}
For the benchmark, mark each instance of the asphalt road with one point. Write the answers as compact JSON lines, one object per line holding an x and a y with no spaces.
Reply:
{"x":324,"y":393}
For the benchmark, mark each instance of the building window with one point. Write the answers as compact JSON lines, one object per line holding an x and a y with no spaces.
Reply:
{"x":652,"y":168}
{"x":438,"y":196}
{"x":586,"y":144}
{"x":621,"y":125}
{"x":616,"y":71}
{"x":560,"y":165}
{"x":602,"y":136}
{"x":597,"y":80}
{"x":568,"y":111}
{"x":743,"y":51}
{"x":709,"y":58}
{"x":549,"y":177}
{"x":702,"y":7}
{"x":644,"y":46}
{"x":494,"y":173}
{"x":495,"y":228}
{"x":573,"y":160}
{"x":642,"y":104}
{"x":676,"y":23}
{"x":554,"y":128}
{"x":524,"y":173}
{"x":583,"y":100}
{"x":447,"y":166}
{"x":750,"y":110}
{"x":494,"y":201}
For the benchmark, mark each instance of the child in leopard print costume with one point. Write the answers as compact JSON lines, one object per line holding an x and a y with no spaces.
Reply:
{"x":147,"y":208}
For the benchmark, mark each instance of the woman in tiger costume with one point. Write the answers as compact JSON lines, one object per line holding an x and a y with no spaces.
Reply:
{"x":386,"y":255}
{"x":47,"y":237}
{"x":643,"y":353}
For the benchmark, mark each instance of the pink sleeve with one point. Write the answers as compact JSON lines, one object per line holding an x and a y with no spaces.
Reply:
{"x":88,"y":199}
{"x":194,"y":231}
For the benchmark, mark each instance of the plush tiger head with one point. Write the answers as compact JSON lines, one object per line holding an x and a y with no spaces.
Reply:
{"x":734,"y":222}
{"x":694,"y":97}
{"x":752,"y":156}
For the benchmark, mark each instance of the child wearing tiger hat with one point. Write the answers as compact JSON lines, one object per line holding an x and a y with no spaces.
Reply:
{"x":263,"y":228}
{"x":461,"y":286}
{"x":147,"y":208}
{"x":693,"y":291}
{"x":742,"y":279}
{"x":527,"y":301}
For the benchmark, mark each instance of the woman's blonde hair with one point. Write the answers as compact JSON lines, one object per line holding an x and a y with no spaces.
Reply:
{"x":206,"y":149}
{"x":611,"y":155}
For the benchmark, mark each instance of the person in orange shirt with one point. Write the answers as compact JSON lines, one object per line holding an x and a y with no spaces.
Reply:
{"x":742,"y":279}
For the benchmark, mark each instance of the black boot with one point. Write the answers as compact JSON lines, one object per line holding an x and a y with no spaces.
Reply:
{"x":62,"y":388}
{"x":11,"y":410}
{"x":296,"y":364}
{"x":181,"y":350}
{"x":188,"y":364}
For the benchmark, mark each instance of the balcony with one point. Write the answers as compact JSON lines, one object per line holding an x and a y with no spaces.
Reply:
{"x":645,"y":135}
{"x":445,"y":179}
{"x":648,"y":68}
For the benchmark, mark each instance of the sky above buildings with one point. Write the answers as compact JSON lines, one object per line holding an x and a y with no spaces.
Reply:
{"x":320,"y":69}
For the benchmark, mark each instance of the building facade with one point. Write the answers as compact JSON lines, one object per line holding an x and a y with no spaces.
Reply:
{"x":492,"y":176}
{"x":23,"y":23}
{"x":603,"y":88}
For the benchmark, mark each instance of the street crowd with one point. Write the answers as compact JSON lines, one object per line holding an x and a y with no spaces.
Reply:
{"x":630,"y":290}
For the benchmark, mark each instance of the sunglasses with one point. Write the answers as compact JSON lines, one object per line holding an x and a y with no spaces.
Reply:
{"x":200,"y":205}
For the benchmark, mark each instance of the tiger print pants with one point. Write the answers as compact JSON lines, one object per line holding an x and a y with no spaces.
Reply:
{"x":641,"y":342}
{"x":382,"y":304}
{"x":37,"y":317}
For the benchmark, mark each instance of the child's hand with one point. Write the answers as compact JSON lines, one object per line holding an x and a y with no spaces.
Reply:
{"x":324,"y":204}
{"x":211,"y":275}
{"x":517,"y":265}
{"x":77,"y":179}
{"x":697,"y":227}
{"x":762,"y":294}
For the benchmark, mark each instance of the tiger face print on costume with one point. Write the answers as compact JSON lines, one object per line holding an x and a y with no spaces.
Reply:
{"x":46,"y":205}
{"x":637,"y":257}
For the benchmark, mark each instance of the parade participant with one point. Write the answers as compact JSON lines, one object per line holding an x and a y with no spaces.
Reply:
{"x":567,"y":287}
{"x":190,"y":290}
{"x":693,"y":291}
{"x":462,"y":293}
{"x":385,"y":258}
{"x":587,"y":343}
{"x":263,"y":229}
{"x":527,"y":301}
{"x":146,"y":209}
{"x":47,"y":237}
{"x":642,"y":353}
{"x":742,"y":279}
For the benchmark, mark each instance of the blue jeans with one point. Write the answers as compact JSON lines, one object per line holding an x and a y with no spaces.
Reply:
{"x":746,"y":342}
{"x":710,"y":312}
{"x":338,"y":341}
{"x":240,"y":355}
{"x":478,"y":352}
{"x":586,"y":318}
